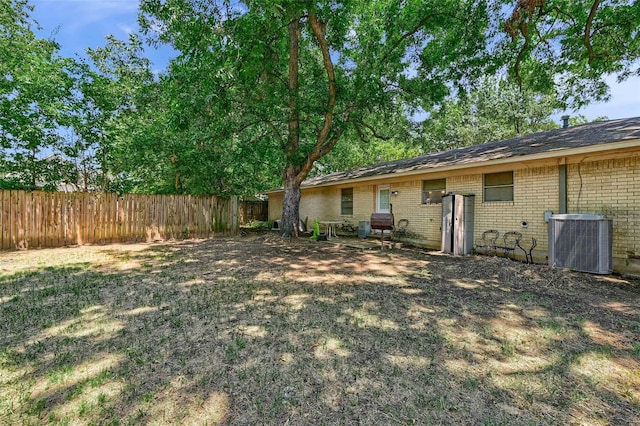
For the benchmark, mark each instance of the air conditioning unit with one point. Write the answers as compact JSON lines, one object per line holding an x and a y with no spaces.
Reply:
{"x":581,"y":242}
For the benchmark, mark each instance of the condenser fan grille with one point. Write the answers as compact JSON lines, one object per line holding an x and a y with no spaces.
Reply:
{"x":581,"y":242}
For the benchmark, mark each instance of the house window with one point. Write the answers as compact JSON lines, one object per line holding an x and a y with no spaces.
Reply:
{"x":433,"y":190}
{"x":346,"y":201}
{"x":498,"y":186}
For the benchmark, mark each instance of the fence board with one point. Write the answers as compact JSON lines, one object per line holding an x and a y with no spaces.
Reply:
{"x":90,"y":217}
{"x":98,"y":221}
{"x":22,"y":215}
{"x":139,"y":221}
{"x":59,"y":218}
{"x":147,"y":218}
{"x":104,"y":218}
{"x":27,"y":220}
{"x":105,"y":212}
{"x":36,"y":224}
{"x":65,"y":213}
{"x":15,"y":223}
{"x":29,"y":228}
{"x":52,"y":225}
{"x":83,"y":216}
{"x":4,"y":220}
{"x":11,"y":203}
{"x":128,"y":219}
{"x":79,"y":219}
{"x":161,"y":209}
{"x":36,"y":219}
{"x":46,"y":219}
{"x":113,"y":217}
{"x":120,"y":220}
{"x":71,"y":224}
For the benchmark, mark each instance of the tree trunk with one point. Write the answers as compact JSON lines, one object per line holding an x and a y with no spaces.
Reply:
{"x":291,"y":204}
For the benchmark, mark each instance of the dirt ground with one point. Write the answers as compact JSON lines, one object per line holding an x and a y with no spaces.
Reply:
{"x":257,"y":329}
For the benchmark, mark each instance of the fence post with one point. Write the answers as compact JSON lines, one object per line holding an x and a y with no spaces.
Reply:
{"x":234,"y":215}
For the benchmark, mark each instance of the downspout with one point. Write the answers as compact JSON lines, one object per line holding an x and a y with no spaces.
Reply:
{"x":562,"y":187}
{"x":562,"y":172}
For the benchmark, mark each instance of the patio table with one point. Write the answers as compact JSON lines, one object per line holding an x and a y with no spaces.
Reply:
{"x":330,"y":226}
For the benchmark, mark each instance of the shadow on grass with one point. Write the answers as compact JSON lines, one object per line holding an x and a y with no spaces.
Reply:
{"x":261,"y":330}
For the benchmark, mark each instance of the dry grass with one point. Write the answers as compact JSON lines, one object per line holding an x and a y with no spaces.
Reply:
{"x":258,"y":330}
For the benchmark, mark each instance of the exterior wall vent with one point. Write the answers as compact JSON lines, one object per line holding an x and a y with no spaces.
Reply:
{"x":581,"y":242}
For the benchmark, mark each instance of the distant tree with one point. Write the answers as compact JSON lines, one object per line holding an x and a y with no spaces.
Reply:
{"x":116,"y":107}
{"x":396,"y":137}
{"x":495,"y":110}
{"x":576,"y":120}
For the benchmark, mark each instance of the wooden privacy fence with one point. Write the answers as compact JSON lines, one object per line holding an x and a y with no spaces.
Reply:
{"x":55,"y":219}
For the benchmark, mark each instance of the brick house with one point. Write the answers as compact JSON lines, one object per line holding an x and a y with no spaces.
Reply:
{"x":591,"y":168}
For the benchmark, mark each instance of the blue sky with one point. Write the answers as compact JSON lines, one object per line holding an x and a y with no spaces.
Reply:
{"x":79,"y":24}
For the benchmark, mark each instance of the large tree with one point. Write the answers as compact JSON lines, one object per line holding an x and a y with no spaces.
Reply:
{"x":35,"y":91}
{"x":292,"y":77}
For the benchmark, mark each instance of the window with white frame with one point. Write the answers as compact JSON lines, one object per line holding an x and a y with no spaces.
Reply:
{"x":498,"y":186}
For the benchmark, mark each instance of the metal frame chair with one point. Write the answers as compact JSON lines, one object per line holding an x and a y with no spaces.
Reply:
{"x":528,"y":253}
{"x":511,"y":240}
{"x":401,"y":228}
{"x":487,"y":241}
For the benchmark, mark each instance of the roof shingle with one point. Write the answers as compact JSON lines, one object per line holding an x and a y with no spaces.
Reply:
{"x":590,"y":134}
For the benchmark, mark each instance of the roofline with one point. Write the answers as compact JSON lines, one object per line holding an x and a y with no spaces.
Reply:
{"x":609,"y":146}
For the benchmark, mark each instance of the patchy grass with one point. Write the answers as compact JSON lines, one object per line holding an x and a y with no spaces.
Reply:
{"x":259,"y":330}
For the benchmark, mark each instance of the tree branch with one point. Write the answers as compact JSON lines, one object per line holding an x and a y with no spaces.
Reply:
{"x":293,"y":139}
{"x":405,"y":36}
{"x":373,"y":131}
{"x":275,"y":132}
{"x":323,"y":144}
{"x":587,"y":30}
{"x":361,"y":134}
{"x":319,"y":33}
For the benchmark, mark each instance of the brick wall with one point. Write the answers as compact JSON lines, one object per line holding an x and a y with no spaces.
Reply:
{"x":611,"y":188}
